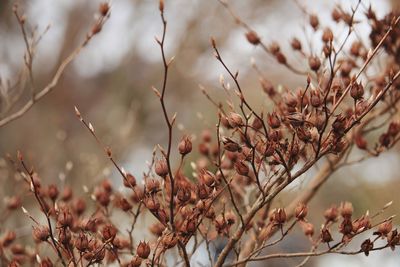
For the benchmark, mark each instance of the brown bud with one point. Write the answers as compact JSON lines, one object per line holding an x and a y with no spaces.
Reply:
{"x":40,"y":233}
{"x":280,"y":57}
{"x":252,"y":38}
{"x":384,"y":228}
{"x":301,"y":211}
{"x":81,"y":242}
{"x":152,"y":186}
{"x":327,"y":35}
{"x":157,"y":229}
{"x":109,"y":232}
{"x":129,"y":181}
{"x":326,"y":236}
{"x":124,"y":204}
{"x":331,"y":214}
{"x":207,"y":177}
{"x":394,"y":128}
{"x":267,"y":87}
{"x":314,"y":63}
{"x":104,"y":8}
{"x":135,"y":262}
{"x":152,"y":204}
{"x":316,"y":99}
{"x":278,"y":216}
{"x":357,"y":91}
{"x":346,"y":209}
{"x":308,"y":229}
{"x":273,"y":120}
{"x":161,"y":167}
{"x":296,"y":44}
{"x":185,"y":146}
{"x":235,"y":120}
{"x":143,"y":250}
{"x":65,"y":218}
{"x":230,"y":145}
{"x":367,"y":246}
{"x":360,"y":142}
{"x":336,"y":14}
{"x":241,"y":168}
{"x":314,"y":22}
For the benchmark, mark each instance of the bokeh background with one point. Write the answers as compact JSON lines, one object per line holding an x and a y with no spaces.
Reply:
{"x":111,"y":81}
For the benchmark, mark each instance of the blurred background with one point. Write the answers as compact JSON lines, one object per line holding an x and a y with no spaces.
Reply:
{"x":110,"y":82}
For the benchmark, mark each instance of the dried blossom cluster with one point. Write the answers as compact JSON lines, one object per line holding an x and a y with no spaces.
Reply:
{"x":242,"y":166}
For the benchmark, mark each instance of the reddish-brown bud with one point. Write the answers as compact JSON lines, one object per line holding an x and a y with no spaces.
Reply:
{"x":331,"y":214}
{"x":326,"y":236}
{"x":40,"y":233}
{"x":81,"y":242}
{"x":301,"y":211}
{"x":129,"y":181}
{"x":296,"y":44}
{"x":253,"y":38}
{"x":109,"y":232}
{"x":143,"y":250}
{"x":241,"y":168}
{"x":314,"y":22}
{"x":185,"y":146}
{"x":314,"y":63}
{"x":161,"y":167}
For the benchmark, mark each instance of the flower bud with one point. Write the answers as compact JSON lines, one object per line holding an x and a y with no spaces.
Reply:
{"x":346,"y":210}
{"x":143,"y":250}
{"x":161,"y":168}
{"x":301,"y":211}
{"x":41,"y":233}
{"x":314,"y":22}
{"x":326,"y":236}
{"x":81,"y":242}
{"x":185,"y":146}
{"x":109,"y":232}
{"x":129,"y":181}
{"x":152,"y":186}
{"x":252,"y":38}
{"x":314,"y":63}
{"x":357,"y":91}
{"x":235,"y":120}
{"x":296,"y":44}
{"x":331,"y":214}
{"x":242,"y":168}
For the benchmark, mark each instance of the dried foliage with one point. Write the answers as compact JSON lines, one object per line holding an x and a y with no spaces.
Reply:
{"x":243,"y":165}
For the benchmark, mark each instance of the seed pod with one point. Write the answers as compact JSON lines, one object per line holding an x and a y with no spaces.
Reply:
{"x":326,"y":236}
{"x":367,"y":246}
{"x":185,"y":146}
{"x":346,"y":210}
{"x":314,"y":22}
{"x":253,"y":38}
{"x":327,"y":35}
{"x":129,"y":181}
{"x":109,"y":232}
{"x":152,"y":186}
{"x":296,"y":44}
{"x":41,"y":233}
{"x":65,"y":218}
{"x":308,"y":229}
{"x":143,"y":250}
{"x":235,"y":120}
{"x":301,"y":211}
{"x":357,"y":91}
{"x":314,"y":63}
{"x":82,"y":242}
{"x":242,"y":168}
{"x":360,"y":142}
{"x":331,"y":214}
{"x":161,"y":168}
{"x":273,"y":120}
